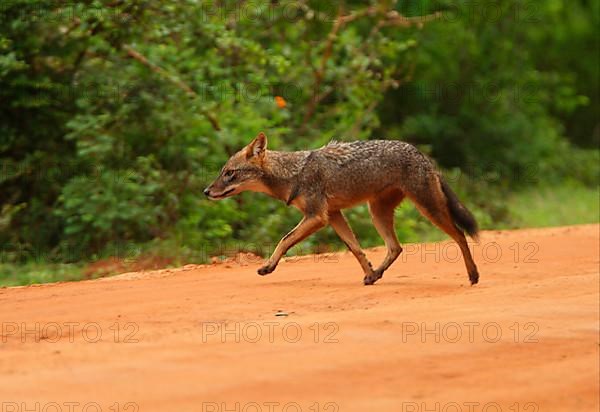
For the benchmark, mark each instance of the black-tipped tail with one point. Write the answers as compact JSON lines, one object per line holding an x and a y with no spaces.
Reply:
{"x":462,"y":217}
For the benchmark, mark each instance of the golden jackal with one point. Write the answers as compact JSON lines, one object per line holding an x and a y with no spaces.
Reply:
{"x":322,"y":182}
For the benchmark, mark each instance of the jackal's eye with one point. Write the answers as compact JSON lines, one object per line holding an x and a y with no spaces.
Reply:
{"x":230,"y":173}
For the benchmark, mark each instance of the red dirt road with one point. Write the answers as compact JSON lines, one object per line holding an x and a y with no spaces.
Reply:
{"x":208,"y":338}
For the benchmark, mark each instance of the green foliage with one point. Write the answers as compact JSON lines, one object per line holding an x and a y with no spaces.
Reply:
{"x":114,"y":116}
{"x":569,"y":203}
{"x":38,"y":272}
{"x":118,"y":206}
{"x":486,"y":94}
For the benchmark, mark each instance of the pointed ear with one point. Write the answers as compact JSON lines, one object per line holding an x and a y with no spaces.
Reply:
{"x":257,"y":147}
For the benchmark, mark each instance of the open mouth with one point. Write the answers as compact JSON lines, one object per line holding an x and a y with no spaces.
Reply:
{"x":223,"y":195}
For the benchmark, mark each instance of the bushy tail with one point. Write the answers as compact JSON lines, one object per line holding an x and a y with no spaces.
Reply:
{"x":462,"y":217}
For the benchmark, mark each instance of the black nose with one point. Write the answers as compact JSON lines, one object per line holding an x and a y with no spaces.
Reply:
{"x":206,"y":191}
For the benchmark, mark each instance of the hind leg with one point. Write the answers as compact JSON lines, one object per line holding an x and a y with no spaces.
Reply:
{"x":459,"y":237}
{"x":382,"y":213}
{"x":433,"y":205}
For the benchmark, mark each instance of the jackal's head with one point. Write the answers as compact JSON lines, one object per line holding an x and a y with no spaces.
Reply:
{"x":243,"y":171}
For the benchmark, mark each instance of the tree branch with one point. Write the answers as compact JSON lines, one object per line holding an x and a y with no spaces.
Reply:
{"x":389,"y":18}
{"x":131,"y":52}
{"x":393,"y":18}
{"x":320,"y":73}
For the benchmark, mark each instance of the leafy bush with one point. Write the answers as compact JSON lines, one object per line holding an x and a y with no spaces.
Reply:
{"x":114,"y":116}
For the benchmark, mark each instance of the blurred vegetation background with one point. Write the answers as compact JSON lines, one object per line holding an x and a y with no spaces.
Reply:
{"x":114,"y":115}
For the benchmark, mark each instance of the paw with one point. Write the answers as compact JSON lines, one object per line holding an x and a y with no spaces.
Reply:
{"x":373,"y":277}
{"x":474,"y":278}
{"x":265,"y":270}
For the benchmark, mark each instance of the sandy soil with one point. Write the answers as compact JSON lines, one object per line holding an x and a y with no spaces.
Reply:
{"x":311,"y":337}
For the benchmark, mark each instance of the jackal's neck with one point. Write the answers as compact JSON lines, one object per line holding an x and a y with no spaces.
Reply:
{"x":281,"y":170}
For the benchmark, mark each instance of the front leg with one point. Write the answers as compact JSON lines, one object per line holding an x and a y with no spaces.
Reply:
{"x":341,"y":227}
{"x":306,"y":227}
